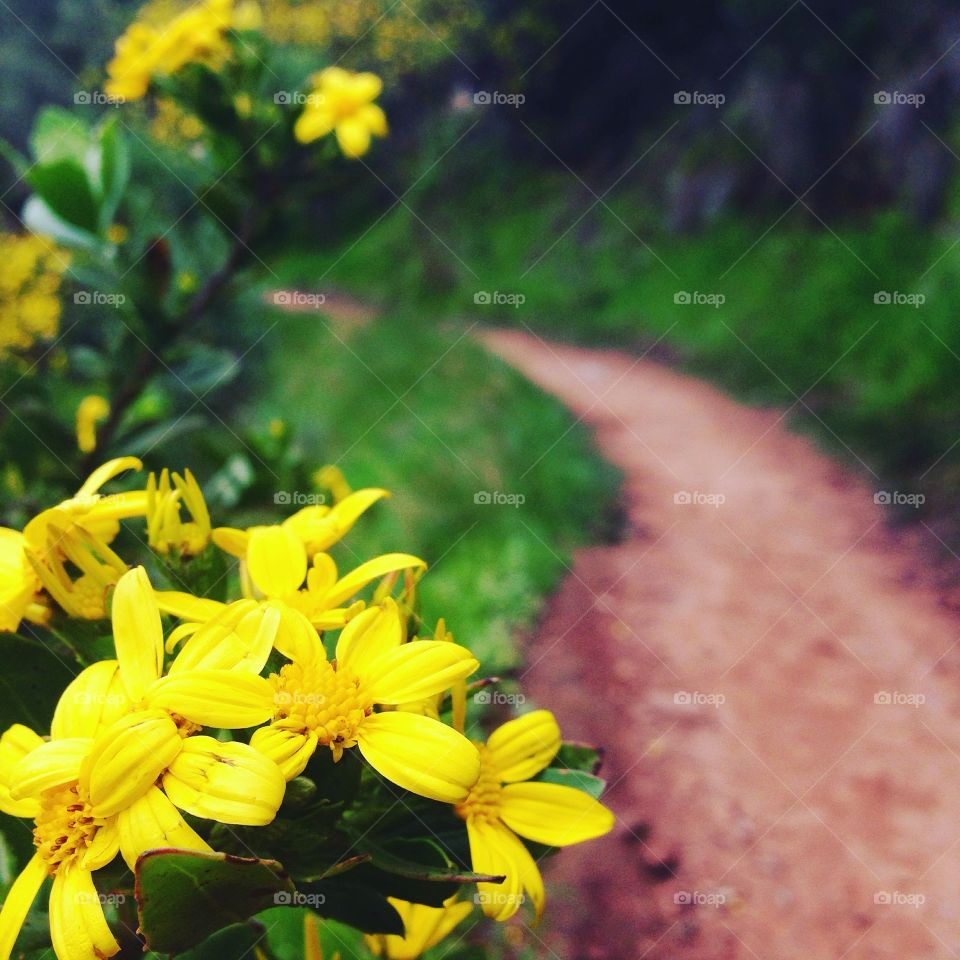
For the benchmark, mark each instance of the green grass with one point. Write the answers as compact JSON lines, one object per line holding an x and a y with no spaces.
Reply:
{"x":876,"y":384}
{"x":427,"y":413}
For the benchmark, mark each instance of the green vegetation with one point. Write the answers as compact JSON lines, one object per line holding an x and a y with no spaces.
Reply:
{"x":799,"y":326}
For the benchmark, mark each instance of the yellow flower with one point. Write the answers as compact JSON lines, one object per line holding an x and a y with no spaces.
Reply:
{"x":502,"y":807}
{"x":90,"y":412}
{"x":342,"y":102}
{"x":331,"y":477}
{"x":198,"y":35}
{"x":424,"y":927}
{"x":318,"y":703}
{"x":31,"y":268}
{"x":212,"y":682}
{"x":79,"y":530}
{"x":19,"y":584}
{"x":165,"y":529}
{"x":275,"y":566}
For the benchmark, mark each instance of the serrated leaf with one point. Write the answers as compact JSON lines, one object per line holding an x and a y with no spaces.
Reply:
{"x":184,"y":896}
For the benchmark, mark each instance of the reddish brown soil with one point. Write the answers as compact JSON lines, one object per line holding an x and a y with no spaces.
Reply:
{"x":796,"y":815}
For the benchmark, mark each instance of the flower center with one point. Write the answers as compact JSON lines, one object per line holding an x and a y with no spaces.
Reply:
{"x":483,"y":801}
{"x":322,"y":700}
{"x":90,"y":598}
{"x":65,"y":827}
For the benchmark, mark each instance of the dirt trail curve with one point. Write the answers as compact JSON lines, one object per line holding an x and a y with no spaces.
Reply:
{"x":826,"y":820}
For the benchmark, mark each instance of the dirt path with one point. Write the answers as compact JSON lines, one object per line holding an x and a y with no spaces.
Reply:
{"x":735,"y":658}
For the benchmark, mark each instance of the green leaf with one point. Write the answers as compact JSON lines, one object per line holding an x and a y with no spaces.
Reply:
{"x":587,"y":782}
{"x":59,"y":135}
{"x":32,"y":679}
{"x":114,"y":170}
{"x":578,"y":756}
{"x":234,"y":941}
{"x":183,"y":896}
{"x":285,"y":935}
{"x":39,"y":218}
{"x":404,"y":861}
{"x":64,"y":187}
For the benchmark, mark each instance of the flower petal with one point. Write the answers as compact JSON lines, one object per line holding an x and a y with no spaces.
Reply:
{"x":359,"y":578}
{"x":126,"y":759}
{"x":423,"y":926}
{"x":151,"y":823}
{"x":320,"y":527}
{"x":17,"y":905}
{"x":94,"y":698}
{"x":78,"y":928}
{"x":52,"y":764}
{"x":420,"y":754}
{"x":231,"y":540}
{"x":240,"y":638}
{"x":521,"y":748}
{"x":297,"y":639}
{"x":415,"y":671}
{"x":137,"y":632}
{"x":105,"y":846}
{"x":229,"y":782}
{"x":313,"y":123}
{"x":106,"y":472}
{"x":493,"y":850}
{"x":188,"y":607}
{"x":370,"y":635}
{"x":276,"y":561}
{"x":15,"y":744}
{"x":290,"y":750}
{"x":553,"y":814}
{"x":215,"y":698}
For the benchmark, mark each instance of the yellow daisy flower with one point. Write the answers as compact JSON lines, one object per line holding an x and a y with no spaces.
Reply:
{"x":79,"y":530}
{"x":424,"y":927}
{"x":275,"y":566}
{"x":149,"y":720}
{"x":318,"y":703}
{"x":342,"y":102}
{"x":502,"y":807}
{"x":166,"y":530}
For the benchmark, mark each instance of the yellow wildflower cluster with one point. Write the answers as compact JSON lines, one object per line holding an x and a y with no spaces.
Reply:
{"x":145,"y":51}
{"x":127,"y":754}
{"x":31,"y":268}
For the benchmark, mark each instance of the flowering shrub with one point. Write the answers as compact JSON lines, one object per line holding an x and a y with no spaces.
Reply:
{"x":286,"y":715}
